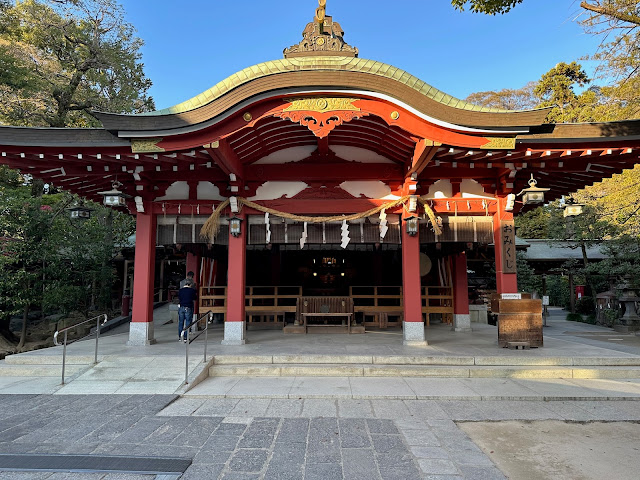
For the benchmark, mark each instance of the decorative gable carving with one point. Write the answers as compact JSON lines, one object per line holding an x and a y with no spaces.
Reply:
{"x":324,"y":193}
{"x":323,"y":36}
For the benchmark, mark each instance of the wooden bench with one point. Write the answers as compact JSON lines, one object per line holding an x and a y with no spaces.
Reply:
{"x":325,"y":308}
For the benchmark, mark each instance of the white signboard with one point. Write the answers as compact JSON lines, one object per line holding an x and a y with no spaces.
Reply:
{"x":511,"y":296}
{"x":545,"y":300}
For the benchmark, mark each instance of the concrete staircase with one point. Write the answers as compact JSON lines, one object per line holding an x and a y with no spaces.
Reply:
{"x":425,"y":366}
{"x":43,"y":365}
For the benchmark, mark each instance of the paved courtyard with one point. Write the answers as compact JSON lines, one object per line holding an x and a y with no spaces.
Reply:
{"x":257,"y":438}
{"x":130,"y":418}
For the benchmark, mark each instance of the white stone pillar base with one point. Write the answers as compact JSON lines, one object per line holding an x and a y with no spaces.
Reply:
{"x":140,"y":334}
{"x":234,"y":333}
{"x":461,"y":322}
{"x":413,"y":334}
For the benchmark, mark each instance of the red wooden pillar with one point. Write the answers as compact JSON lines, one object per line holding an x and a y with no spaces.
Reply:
{"x":461,"y":318}
{"x":141,"y":327}
{"x":502,"y":223}
{"x":234,"y":326}
{"x":413,"y":326}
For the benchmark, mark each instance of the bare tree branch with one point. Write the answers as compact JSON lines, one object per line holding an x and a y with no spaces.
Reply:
{"x":611,"y":12}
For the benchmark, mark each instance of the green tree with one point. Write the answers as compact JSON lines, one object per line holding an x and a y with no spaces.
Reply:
{"x":59,"y":60}
{"x":617,"y":199}
{"x":507,"y":98}
{"x":64,"y":58}
{"x":616,"y":11}
{"x":556,"y":89}
{"x":50,"y":263}
{"x":617,"y":22}
{"x":490,"y":7}
{"x":535,"y":223}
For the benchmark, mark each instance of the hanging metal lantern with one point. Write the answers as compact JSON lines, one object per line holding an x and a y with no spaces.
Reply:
{"x":235,"y":226}
{"x":79,"y":212}
{"x":533,"y":195}
{"x":572,"y":209}
{"x":114,"y":197}
{"x":412,"y":225}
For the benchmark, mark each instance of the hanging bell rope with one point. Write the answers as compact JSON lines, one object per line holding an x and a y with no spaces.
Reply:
{"x":211,"y":228}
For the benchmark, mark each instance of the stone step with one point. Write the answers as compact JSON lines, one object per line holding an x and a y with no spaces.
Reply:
{"x":27,"y":359}
{"x":461,"y":360}
{"x":367,"y":370}
{"x":32,"y":370}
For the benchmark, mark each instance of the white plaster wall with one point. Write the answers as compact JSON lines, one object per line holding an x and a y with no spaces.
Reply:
{"x":177,"y":191}
{"x":275,"y":190}
{"x":208,"y":191}
{"x":440,"y":189}
{"x":469,"y":188}
{"x":367,"y":188}
{"x":356,"y":154}
{"x":472,"y":189}
{"x":293,"y":154}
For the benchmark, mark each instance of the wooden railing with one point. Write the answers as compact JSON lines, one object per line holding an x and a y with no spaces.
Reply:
{"x":438,"y":300}
{"x":213,"y":299}
{"x":264,"y":305}
{"x":380,"y":306}
{"x":260,"y":302}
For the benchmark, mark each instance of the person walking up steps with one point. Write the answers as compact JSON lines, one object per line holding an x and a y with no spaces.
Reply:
{"x":187,"y":295}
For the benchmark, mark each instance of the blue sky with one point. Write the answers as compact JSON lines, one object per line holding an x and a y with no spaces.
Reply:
{"x":193,"y":44}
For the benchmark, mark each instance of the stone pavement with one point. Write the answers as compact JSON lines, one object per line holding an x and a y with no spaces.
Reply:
{"x":133,"y":404}
{"x":274,"y":438}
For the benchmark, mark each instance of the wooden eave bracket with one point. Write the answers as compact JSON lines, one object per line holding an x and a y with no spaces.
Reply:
{"x":424,"y":152}
{"x":224,"y":156}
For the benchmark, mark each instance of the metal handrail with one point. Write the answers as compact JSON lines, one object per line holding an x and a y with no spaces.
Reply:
{"x":66,"y":330}
{"x":185,"y":334}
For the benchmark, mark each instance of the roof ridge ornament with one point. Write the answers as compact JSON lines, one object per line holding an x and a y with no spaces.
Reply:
{"x":322,"y":37}
{"x":320,"y":13}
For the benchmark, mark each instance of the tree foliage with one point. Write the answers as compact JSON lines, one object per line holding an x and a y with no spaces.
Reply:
{"x":617,"y":22}
{"x":61,"y":59}
{"x":49,"y":262}
{"x":490,"y":7}
{"x":556,"y":89}
{"x":507,"y":99}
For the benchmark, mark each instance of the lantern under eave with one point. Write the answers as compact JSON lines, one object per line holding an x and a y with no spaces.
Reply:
{"x":533,"y":195}
{"x":573,"y":209}
{"x":114,"y":197}
{"x":235,"y":226}
{"x":79,"y":212}
{"x":412,"y":225}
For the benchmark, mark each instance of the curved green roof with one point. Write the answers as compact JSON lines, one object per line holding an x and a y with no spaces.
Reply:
{"x":321,"y":63}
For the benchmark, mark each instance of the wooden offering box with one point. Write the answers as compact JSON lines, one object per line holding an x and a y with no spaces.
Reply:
{"x":520,"y":321}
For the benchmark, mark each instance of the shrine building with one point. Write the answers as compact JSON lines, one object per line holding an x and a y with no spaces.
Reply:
{"x":323,"y":175}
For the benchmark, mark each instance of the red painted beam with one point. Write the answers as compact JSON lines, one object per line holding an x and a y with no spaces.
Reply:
{"x":424,"y":152}
{"x":225,"y":157}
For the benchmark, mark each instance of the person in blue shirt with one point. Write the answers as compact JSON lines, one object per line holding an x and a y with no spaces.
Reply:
{"x":187,"y":295}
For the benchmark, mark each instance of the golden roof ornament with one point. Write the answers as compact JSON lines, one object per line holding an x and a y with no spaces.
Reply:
{"x":322,"y":37}
{"x":320,"y":13}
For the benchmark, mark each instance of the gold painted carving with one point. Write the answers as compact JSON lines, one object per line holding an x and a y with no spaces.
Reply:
{"x":500,"y":143}
{"x":323,"y":37}
{"x":247,"y":117}
{"x":321,"y":11}
{"x":395,"y":115}
{"x":321,"y":123}
{"x":432,"y":143}
{"x":146,"y":145}
{"x":322,"y":105}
